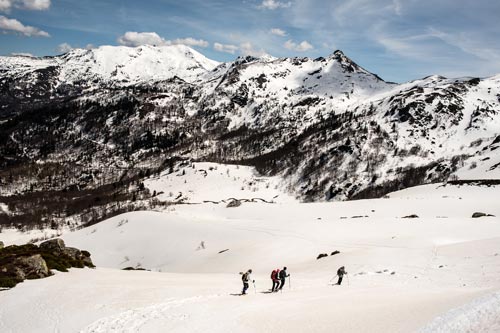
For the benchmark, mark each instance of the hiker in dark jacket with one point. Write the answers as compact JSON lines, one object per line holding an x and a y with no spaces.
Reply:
{"x":340,"y":273}
{"x":245,"y":278}
{"x":283,"y":275}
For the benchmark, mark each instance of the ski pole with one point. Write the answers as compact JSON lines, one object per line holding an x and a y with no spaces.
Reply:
{"x":254,"y":288}
{"x":289,"y":282}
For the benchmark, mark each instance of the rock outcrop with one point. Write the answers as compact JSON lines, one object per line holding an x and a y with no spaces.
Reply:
{"x":18,"y":263}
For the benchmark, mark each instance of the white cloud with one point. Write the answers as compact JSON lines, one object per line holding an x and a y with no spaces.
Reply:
{"x":278,"y":32}
{"x":6,"y":5}
{"x":190,"y":42}
{"x":248,"y":49}
{"x":435,"y":42}
{"x":33,"y":4}
{"x":245,"y":48}
{"x":64,"y":48}
{"x":398,"y":7}
{"x":21,"y":54}
{"x":8,"y":25}
{"x":273,"y":4}
{"x":301,"y":47}
{"x":228,"y":48}
{"x":132,"y":38}
{"x":468,"y":43}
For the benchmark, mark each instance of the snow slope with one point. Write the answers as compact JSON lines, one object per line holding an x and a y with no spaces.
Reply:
{"x":480,"y":315}
{"x":403,"y":272}
{"x":213,"y":182}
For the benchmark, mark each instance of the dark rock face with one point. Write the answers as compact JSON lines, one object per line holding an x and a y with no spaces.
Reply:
{"x":1,"y":245}
{"x":241,"y":97}
{"x":321,"y":255}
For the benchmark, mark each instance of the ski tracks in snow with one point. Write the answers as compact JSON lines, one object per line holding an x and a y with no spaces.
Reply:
{"x":132,"y":320}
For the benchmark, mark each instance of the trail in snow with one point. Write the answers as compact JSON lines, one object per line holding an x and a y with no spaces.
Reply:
{"x":133,"y":320}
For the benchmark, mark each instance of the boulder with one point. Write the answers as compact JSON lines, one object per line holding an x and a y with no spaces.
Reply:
{"x":73,"y":253}
{"x":479,"y":214}
{"x":335,"y":252}
{"x":88,"y":262}
{"x":12,"y":271}
{"x":54,"y":245}
{"x":86,"y":259}
{"x":321,"y":255}
{"x":78,"y":255}
{"x":234,"y":203}
{"x":33,"y":267}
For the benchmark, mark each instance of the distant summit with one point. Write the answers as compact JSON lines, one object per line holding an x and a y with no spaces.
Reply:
{"x":119,"y":65}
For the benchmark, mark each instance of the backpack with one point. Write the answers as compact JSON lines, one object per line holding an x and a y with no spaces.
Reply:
{"x":275,"y":274}
{"x":244,"y":277}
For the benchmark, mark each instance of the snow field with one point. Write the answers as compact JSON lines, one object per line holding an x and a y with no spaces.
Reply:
{"x":212,"y":182}
{"x":403,"y":272}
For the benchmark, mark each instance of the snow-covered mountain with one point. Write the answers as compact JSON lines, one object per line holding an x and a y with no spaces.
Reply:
{"x":330,"y":129}
{"x":114,"y":65}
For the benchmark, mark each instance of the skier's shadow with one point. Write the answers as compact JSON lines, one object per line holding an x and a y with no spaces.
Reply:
{"x":261,"y":292}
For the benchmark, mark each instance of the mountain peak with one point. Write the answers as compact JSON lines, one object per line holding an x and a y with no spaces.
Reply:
{"x":128,"y":65}
{"x":349,"y":65}
{"x":341,"y":57}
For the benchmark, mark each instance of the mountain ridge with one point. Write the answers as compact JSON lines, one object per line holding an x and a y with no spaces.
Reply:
{"x":329,"y":128}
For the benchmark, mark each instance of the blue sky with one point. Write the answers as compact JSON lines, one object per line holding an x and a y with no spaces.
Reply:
{"x":400,"y":40}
